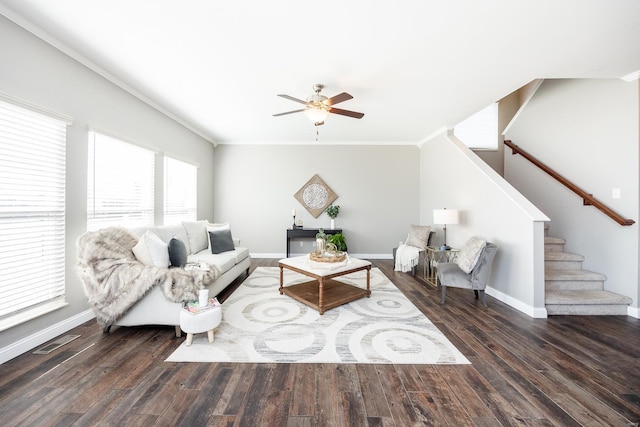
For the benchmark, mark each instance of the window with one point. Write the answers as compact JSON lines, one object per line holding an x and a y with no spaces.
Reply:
{"x":120,"y":183}
{"x":180,"y":191}
{"x":480,"y":131}
{"x":32,"y":213}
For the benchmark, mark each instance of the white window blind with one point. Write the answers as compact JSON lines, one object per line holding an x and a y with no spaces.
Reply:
{"x":120,"y":183}
{"x":32,"y":214}
{"x":480,"y":131}
{"x":180,"y":191}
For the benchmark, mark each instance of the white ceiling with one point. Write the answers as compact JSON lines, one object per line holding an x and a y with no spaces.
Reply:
{"x":413,"y":66}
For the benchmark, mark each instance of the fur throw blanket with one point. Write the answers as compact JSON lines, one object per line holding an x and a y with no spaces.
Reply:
{"x":114,"y":280}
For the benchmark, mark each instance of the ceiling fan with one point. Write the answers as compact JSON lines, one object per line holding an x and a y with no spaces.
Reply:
{"x":318,"y":107}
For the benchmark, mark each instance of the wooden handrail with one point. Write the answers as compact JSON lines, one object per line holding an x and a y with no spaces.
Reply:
{"x":588,"y":199}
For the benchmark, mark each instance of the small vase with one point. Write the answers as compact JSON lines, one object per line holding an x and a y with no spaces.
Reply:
{"x":333,"y":224}
{"x":321,"y":241}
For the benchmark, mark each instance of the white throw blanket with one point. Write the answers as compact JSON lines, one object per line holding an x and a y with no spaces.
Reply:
{"x":406,"y":258}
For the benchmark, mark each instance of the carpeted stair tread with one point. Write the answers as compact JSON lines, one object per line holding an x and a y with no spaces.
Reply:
{"x":586,"y":303}
{"x":554,"y":241}
{"x":585,"y":297}
{"x":581,"y":275}
{"x":562,"y":256}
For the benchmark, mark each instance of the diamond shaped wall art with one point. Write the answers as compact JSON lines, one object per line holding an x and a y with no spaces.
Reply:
{"x":315,"y":196}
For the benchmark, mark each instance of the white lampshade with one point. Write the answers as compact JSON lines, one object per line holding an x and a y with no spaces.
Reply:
{"x":445,"y":216}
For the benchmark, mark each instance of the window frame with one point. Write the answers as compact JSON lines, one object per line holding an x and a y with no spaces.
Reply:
{"x":128,"y":169}
{"x":186,"y":192}
{"x":33,"y":144}
{"x":482,"y":126}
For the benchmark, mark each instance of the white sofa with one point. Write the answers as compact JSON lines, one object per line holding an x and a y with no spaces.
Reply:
{"x":154,"y":308}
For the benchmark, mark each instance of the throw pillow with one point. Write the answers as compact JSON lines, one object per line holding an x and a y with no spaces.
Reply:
{"x":418,"y":236}
{"x":151,"y":250}
{"x":197,"y":235}
{"x":470,"y":253}
{"x":177,"y":252}
{"x":216,"y":226}
{"x":221,"y":241}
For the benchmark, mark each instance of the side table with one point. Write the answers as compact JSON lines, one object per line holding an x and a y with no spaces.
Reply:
{"x":433,"y":256}
{"x":196,"y":323}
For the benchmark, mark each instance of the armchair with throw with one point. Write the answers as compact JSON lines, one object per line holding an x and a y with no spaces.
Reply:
{"x":471,"y":269}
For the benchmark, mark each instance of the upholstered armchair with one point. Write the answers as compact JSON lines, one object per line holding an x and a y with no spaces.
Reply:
{"x":466,"y":274}
{"x":419,"y":237}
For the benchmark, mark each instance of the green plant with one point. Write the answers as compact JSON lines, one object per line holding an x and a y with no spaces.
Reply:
{"x":338,"y":240}
{"x":333,"y":211}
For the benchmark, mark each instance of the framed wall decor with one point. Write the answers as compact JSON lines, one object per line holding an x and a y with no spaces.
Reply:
{"x":315,"y":196}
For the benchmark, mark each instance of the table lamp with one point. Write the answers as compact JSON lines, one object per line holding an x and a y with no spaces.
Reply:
{"x":443,"y":217}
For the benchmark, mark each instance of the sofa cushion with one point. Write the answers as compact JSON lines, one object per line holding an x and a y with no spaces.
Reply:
{"x":151,"y":250}
{"x":168,"y":232}
{"x":470,"y":253}
{"x":139,"y":231}
{"x":221,"y":241}
{"x":177,"y":252}
{"x":241,"y":253}
{"x":224,"y":261}
{"x":197,"y":234}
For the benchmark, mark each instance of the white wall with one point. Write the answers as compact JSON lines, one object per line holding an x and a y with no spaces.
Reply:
{"x":454,"y":177}
{"x":37,"y":73}
{"x":587,"y":130}
{"x":377,"y":188}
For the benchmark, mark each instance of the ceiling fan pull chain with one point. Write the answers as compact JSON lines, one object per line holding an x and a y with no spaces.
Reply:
{"x":317,"y":133}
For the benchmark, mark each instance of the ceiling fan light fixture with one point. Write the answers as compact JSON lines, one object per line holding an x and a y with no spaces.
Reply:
{"x":316,"y":114}
{"x":317,"y":107}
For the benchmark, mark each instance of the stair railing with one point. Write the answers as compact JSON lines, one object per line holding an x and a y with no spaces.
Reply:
{"x":588,"y":199}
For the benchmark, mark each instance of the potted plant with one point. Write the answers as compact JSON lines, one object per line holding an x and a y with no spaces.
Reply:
{"x":338,"y":240}
{"x":333,"y":211}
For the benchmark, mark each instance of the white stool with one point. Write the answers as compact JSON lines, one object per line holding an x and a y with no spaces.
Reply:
{"x":196,"y":323}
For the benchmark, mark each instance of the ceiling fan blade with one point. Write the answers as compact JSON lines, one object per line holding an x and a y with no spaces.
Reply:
{"x":291,"y":98}
{"x":341,"y":97}
{"x":289,"y":112}
{"x":348,"y":113}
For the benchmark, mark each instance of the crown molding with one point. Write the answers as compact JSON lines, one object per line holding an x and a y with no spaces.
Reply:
{"x":631,"y":77}
{"x":77,"y":56}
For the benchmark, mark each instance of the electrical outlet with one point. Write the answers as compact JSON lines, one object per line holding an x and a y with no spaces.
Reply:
{"x":615,"y":193}
{"x":301,"y":244}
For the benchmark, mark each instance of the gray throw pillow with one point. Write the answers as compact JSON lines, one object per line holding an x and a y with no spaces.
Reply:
{"x":177,"y":252}
{"x":221,"y":241}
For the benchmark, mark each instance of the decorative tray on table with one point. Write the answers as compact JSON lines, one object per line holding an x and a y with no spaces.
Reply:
{"x":328,"y":256}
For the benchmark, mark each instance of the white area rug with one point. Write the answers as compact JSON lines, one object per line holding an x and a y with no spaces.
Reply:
{"x":261,"y":326}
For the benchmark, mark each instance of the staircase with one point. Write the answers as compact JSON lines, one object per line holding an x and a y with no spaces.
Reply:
{"x":571,"y":290}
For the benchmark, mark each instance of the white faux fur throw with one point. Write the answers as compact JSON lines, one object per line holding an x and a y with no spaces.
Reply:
{"x":114,"y":280}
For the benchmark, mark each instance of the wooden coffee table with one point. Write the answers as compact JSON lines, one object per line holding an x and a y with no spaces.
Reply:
{"x":323,"y":293}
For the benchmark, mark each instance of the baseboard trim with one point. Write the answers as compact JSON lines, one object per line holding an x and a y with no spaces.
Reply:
{"x":32,"y":341}
{"x":535,"y":312}
{"x":633,"y":312}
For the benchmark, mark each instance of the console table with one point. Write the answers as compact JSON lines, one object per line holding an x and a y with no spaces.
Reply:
{"x":306,"y":233}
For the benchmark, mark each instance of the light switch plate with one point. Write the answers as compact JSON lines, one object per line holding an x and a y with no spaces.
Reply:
{"x":615,"y":193}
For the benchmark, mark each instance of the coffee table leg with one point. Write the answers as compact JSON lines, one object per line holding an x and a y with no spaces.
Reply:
{"x":320,"y":296}
{"x":369,"y":282}
{"x":281,"y":268}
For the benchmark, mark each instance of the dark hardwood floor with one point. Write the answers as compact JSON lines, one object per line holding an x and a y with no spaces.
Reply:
{"x":560,"y":371}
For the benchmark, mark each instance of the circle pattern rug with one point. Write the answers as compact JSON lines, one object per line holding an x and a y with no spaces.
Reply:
{"x":261,"y":326}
